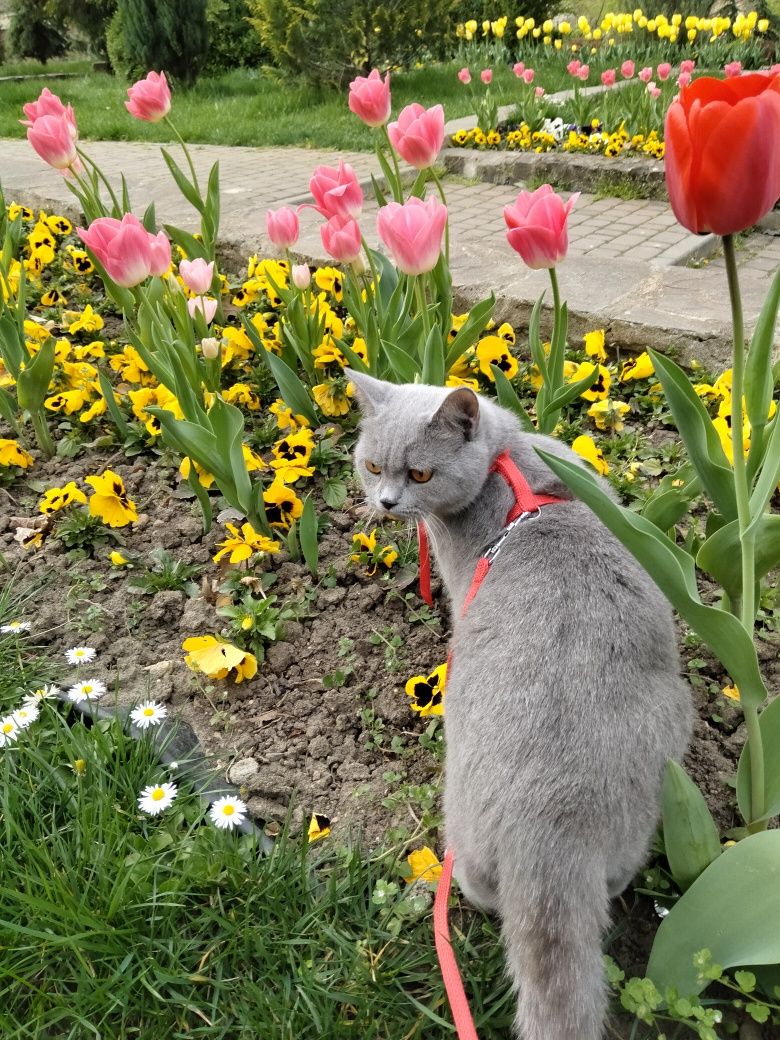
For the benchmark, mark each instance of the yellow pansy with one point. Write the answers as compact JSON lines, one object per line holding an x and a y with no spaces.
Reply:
{"x":493,"y":350}
{"x":332,"y":398}
{"x":427,"y":692}
{"x":12,"y":454}
{"x":244,"y":543}
{"x":118,"y":559}
{"x":423,"y":865}
{"x":640,"y":367}
{"x":110,"y":502}
{"x":319,"y":827}
{"x":205,"y":478}
{"x":68,"y":401}
{"x":242,"y":393}
{"x":86,"y":321}
{"x":586,"y":448}
{"x":282,"y":505}
{"x":600,"y":389}
{"x":608,"y":415}
{"x":594,"y":345}
{"x":217,"y":658}
{"x":59,"y":498}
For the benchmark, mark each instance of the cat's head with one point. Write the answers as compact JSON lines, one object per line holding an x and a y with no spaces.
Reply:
{"x":421,"y":450}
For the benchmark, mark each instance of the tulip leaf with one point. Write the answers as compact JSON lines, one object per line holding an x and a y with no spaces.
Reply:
{"x":32,"y":384}
{"x":671,"y":500}
{"x":433,"y":358}
{"x":8,"y":410}
{"x":202,"y":496}
{"x":759,"y":384}
{"x":183,"y":183}
{"x":227,"y":423}
{"x":769,"y":477}
{"x":149,"y":219}
{"x":194,"y":442}
{"x":700,"y":436}
{"x":379,"y":195}
{"x":294,"y":393}
{"x":191,"y":246}
{"x":470,"y":330}
{"x":507,"y":397}
{"x":389,"y":282}
{"x":405,"y":367}
{"x":569,"y":392}
{"x":732,"y":910}
{"x":674,"y":573}
{"x":769,"y":721}
{"x":691,"y":839}
{"x":307,"y":534}
{"x":535,"y":343}
{"x":114,"y":410}
{"x":721,"y":557}
{"x":355,"y":360}
{"x":211,"y":211}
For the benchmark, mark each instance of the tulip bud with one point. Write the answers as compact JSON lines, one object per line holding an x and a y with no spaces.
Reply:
{"x":209,"y":348}
{"x":301,"y":276}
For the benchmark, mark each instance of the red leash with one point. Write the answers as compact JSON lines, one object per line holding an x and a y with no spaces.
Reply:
{"x":527,"y":503}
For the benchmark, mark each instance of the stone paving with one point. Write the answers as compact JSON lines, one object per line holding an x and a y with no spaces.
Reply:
{"x":628,"y":268}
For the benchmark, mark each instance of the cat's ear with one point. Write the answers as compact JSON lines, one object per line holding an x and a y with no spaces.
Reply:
{"x":460,"y":411}
{"x":371,"y":393}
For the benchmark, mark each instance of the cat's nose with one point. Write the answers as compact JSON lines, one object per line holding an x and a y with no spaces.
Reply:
{"x":388,"y":503}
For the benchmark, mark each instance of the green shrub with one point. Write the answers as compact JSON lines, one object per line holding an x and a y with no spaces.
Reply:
{"x":330,"y":44}
{"x":233,"y":40}
{"x":33,"y":34}
{"x":90,"y":18}
{"x":160,"y":35}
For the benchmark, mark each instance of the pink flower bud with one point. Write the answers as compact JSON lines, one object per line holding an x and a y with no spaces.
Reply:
{"x":418,"y":134}
{"x":301,"y":276}
{"x":608,"y":77}
{"x":207,"y":306}
{"x":627,"y":69}
{"x":528,"y":76}
{"x":653,"y":91}
{"x":336,"y":191}
{"x":537,"y":226}
{"x":52,"y":138}
{"x":150,"y":98}
{"x":486,"y":75}
{"x":683,"y":79}
{"x":464,"y":75}
{"x":209,"y":348}
{"x":518,"y":68}
{"x":412,"y":232}
{"x":664,"y":71}
{"x":646,"y":74}
{"x":124,"y":248}
{"x":341,"y":239}
{"x":369,"y":98}
{"x":197,"y":275}
{"x":733,"y":69}
{"x":538,"y":92}
{"x":282,"y":226}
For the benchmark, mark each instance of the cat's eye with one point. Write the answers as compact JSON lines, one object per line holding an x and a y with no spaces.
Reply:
{"x":372,"y":467}
{"x":421,"y":476}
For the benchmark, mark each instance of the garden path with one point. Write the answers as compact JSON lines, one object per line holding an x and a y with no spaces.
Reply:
{"x":628,"y":269}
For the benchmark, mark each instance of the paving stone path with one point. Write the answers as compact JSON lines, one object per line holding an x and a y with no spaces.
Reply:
{"x":631,"y":268}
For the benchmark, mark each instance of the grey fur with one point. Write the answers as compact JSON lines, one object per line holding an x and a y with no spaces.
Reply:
{"x":564,"y":699}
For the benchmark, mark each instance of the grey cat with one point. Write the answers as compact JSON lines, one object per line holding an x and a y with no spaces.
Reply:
{"x":564,"y":699}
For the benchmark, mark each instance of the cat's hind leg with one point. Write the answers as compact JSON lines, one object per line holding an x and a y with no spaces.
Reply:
{"x":476,"y":884}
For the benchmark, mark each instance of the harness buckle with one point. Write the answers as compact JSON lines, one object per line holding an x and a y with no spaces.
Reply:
{"x":492,"y":551}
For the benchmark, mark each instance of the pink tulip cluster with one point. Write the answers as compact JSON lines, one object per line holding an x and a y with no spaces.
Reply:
{"x":526,"y":75}
{"x":578,"y":70}
{"x":52,"y":131}
{"x":127,"y":251}
{"x":537,"y":226}
{"x":149,"y":98}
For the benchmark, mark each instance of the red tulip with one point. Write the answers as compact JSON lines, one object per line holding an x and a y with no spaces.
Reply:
{"x":369,"y":98}
{"x":723,"y":152}
{"x":412,"y":232}
{"x":537,"y":224}
{"x":341,"y":239}
{"x":336,"y":191}
{"x":282,"y":226}
{"x":150,"y":98}
{"x":418,"y":134}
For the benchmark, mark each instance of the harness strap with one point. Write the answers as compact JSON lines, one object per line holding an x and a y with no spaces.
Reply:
{"x":526,"y":500}
{"x":425,"y":564}
{"x":453,"y":984}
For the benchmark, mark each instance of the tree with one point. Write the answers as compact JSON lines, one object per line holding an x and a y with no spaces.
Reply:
{"x":89,"y":17}
{"x":164,"y":35}
{"x":34,"y":34}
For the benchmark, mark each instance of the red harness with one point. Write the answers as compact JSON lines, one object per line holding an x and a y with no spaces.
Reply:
{"x":527,"y":503}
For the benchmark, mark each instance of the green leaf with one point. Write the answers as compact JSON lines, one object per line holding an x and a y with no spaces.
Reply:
{"x":769,"y":722}
{"x":334,"y":491}
{"x":114,"y":410}
{"x":227,"y":423}
{"x":389,"y":174}
{"x":404,"y":366}
{"x":470,"y":330}
{"x":674,"y":573}
{"x":667,"y":505}
{"x":149,"y":219}
{"x":193,"y":441}
{"x":32,"y":384}
{"x":759,"y":384}
{"x":294,"y":393}
{"x":202,"y":496}
{"x":183,"y":183}
{"x":8,"y":409}
{"x":307,"y":533}
{"x":770,"y":474}
{"x":721,"y":555}
{"x":507,"y":397}
{"x":732,"y":910}
{"x":691,"y":838}
{"x":379,"y":194}
{"x":211,"y":212}
{"x":746,"y":981}
{"x":191,"y":246}
{"x":700,"y":436}
{"x":569,"y":392}
{"x":433,"y":358}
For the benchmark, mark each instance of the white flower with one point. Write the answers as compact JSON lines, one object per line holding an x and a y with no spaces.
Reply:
{"x":14,"y":627}
{"x":150,"y":713}
{"x":90,"y":690}
{"x":228,"y":812}
{"x":156,"y":797}
{"x":9,"y":730}
{"x":26,"y":715}
{"x":43,"y":693}
{"x":80,"y":655}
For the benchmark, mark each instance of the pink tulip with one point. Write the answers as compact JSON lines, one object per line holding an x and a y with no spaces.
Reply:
{"x":528,"y":76}
{"x":197,"y":275}
{"x":464,"y":75}
{"x":518,"y":68}
{"x":282,"y":226}
{"x":486,"y":75}
{"x":207,"y":306}
{"x":49,"y":104}
{"x":418,"y":134}
{"x":412,"y":232}
{"x":150,"y":98}
{"x":123,"y":247}
{"x":688,"y":65}
{"x":733,"y":69}
{"x":646,"y":74}
{"x":539,"y":92}
{"x":664,"y":71}
{"x":369,"y":98}
{"x":301,"y":276}
{"x":583,"y":72}
{"x":160,"y":248}
{"x":574,"y":66}
{"x":52,"y":138}
{"x":683,"y":79}
{"x":608,"y":77}
{"x":653,"y":91}
{"x":336,"y":191}
{"x":627,"y":69}
{"x":537,"y":226}
{"x":341,"y":239}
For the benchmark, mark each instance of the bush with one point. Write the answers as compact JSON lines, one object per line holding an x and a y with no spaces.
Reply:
{"x":33,"y":34}
{"x":89,"y":17}
{"x":159,"y":35}
{"x":233,"y":40}
{"x":330,"y":43}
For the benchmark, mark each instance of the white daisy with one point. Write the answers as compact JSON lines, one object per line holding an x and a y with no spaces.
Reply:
{"x":80,"y":655}
{"x":149,"y":713}
{"x":26,"y":715}
{"x":228,"y":812}
{"x":156,"y":797}
{"x":9,"y":730}
{"x":14,"y":627}
{"x":43,"y":693}
{"x":89,"y":689}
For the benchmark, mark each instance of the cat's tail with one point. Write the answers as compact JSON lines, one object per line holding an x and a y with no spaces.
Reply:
{"x":553,"y":918}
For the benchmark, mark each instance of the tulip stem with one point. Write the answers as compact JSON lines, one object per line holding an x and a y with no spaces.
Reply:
{"x":42,"y":433}
{"x":747,"y":539}
{"x":396,"y":188}
{"x":103,"y":178}
{"x":187,"y":155}
{"x":422,"y":303}
{"x":443,"y":197}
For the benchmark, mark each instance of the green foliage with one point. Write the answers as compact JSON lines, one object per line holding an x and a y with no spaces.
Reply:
{"x":161,"y":35}
{"x":256,"y":622}
{"x":691,"y":837}
{"x":330,"y":45}
{"x":78,"y":529}
{"x":233,"y":40}
{"x":90,"y":18}
{"x":33,"y":33}
{"x":166,"y":573}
